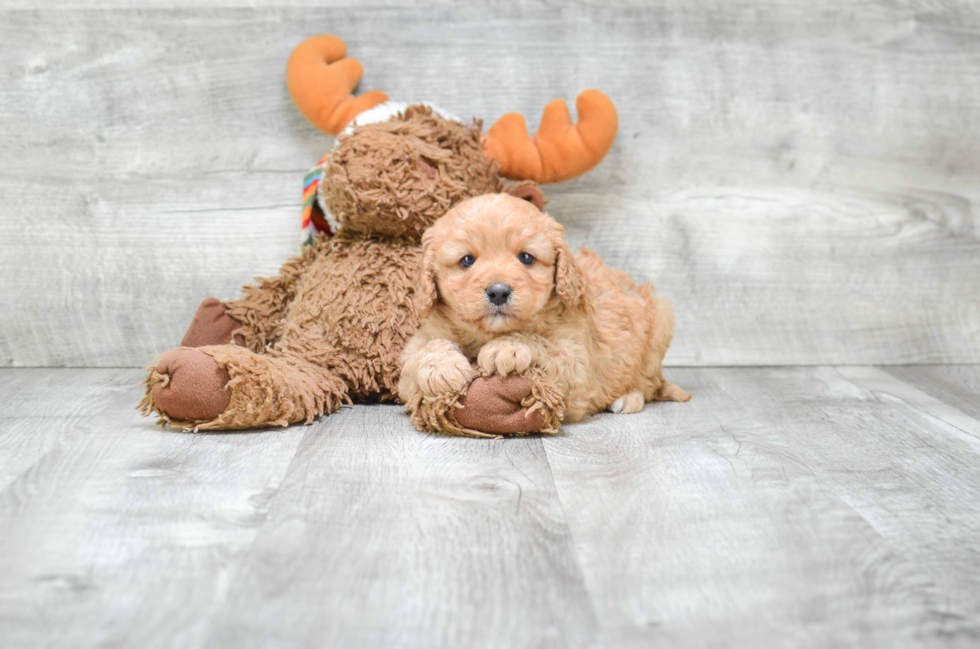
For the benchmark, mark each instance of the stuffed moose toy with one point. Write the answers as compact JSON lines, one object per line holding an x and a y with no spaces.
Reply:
{"x":331,"y":326}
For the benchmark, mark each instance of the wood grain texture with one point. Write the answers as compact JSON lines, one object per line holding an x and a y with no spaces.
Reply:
{"x":385,"y":537}
{"x":828,"y":506}
{"x":122,"y":533}
{"x":797,"y":507}
{"x":39,"y":407}
{"x":799,"y":180}
{"x":125,"y":534}
{"x":781,"y":507}
{"x":955,"y":385}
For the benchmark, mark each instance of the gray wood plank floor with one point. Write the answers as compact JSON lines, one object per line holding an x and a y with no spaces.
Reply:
{"x":804,"y":506}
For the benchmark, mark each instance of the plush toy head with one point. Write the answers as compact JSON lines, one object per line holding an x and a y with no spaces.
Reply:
{"x":395,"y":178}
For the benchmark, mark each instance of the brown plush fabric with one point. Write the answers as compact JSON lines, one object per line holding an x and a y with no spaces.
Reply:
{"x":396,"y":178}
{"x":189,"y":385}
{"x":332,"y":325}
{"x":493,"y":406}
{"x":265,"y":390}
{"x":212,"y":326}
{"x":354,"y":312}
{"x":502,"y":398}
{"x":263,"y":307}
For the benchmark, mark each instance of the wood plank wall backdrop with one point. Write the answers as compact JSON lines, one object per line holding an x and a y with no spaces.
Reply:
{"x":799,"y":178}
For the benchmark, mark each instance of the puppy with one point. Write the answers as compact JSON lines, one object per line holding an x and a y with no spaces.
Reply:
{"x":502,"y":288}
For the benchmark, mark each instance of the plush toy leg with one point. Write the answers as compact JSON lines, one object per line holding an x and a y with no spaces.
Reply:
{"x":212,"y":326}
{"x":263,"y":305}
{"x":492,"y":406}
{"x":188,"y":385}
{"x":228,"y":387}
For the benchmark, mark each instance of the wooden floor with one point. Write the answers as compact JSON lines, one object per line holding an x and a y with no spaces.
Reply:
{"x":808,"y":506}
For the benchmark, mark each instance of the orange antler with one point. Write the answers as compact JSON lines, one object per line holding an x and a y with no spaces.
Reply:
{"x":560,"y":150}
{"x":320,"y":81}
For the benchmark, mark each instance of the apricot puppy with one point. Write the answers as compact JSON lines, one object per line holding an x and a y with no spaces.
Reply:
{"x":504,"y":291}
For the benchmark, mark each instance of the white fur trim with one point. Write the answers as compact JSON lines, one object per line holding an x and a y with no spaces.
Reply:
{"x":385,"y":111}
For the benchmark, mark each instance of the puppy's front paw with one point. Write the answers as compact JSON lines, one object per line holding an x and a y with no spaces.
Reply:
{"x":443,"y":370}
{"x":503,"y":356}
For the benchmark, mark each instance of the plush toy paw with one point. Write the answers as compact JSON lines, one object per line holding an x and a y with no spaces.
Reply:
{"x":186,"y":385}
{"x":511,"y":405}
{"x":212,"y":326}
{"x":492,"y":404}
{"x":504,"y":356}
{"x":443,"y":369}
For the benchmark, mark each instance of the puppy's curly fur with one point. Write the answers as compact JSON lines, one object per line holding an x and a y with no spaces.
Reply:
{"x":590,"y":329}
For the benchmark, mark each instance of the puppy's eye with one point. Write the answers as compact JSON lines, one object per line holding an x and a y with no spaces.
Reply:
{"x":526,"y":259}
{"x":467,"y":261}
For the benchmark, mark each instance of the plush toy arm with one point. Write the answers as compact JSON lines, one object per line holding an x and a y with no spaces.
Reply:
{"x":226,"y":387}
{"x":492,"y":406}
{"x":438,"y":388}
{"x":263,"y":305}
{"x":212,"y":326}
{"x":512,"y":405}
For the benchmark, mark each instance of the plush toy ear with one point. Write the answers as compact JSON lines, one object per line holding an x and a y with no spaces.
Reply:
{"x":428,"y":291}
{"x":528,"y":191}
{"x":568,"y":281}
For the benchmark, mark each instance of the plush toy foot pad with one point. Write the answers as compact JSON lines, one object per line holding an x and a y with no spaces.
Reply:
{"x":492,"y":404}
{"x":211,"y":326}
{"x":189,"y":385}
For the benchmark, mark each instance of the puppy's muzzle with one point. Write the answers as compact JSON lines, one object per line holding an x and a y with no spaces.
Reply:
{"x":499,"y":294}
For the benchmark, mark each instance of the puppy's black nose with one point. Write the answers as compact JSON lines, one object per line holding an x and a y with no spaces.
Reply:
{"x":498,"y":294}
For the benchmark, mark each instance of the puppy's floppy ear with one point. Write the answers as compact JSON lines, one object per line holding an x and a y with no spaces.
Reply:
{"x":428,"y":292}
{"x":527,"y":190}
{"x":568,"y":280}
